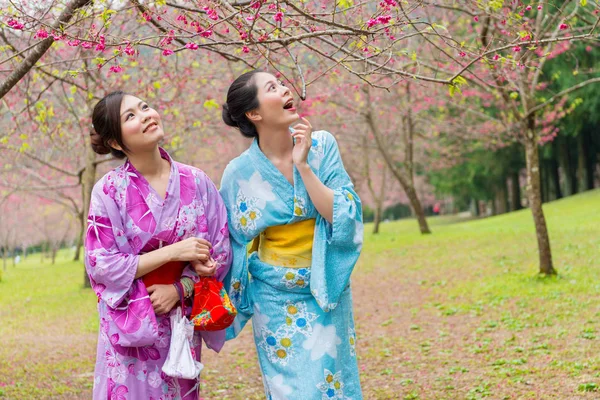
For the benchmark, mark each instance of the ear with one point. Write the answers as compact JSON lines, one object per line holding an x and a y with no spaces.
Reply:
{"x":113,"y":143}
{"x":254,"y":115}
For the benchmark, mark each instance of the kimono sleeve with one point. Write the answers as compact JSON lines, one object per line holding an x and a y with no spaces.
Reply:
{"x":123,"y":299}
{"x":218,"y":235}
{"x":218,"y":230}
{"x":336,"y":245}
{"x":237,"y":280}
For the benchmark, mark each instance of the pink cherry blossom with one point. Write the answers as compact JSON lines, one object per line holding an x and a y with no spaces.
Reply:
{"x":278,"y":16}
{"x":192,"y":46}
{"x":129,"y":50}
{"x":167,"y":52}
{"x":41,"y":34}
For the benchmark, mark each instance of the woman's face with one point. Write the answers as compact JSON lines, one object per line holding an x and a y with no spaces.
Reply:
{"x":276,"y":103}
{"x":141,"y":126}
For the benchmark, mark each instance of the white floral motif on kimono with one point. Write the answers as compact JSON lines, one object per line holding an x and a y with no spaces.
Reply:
{"x":317,"y":150}
{"x":323,"y":340}
{"x":252,"y":197}
{"x":332,"y":386}
{"x":298,"y":319}
{"x":277,"y":388}
{"x":278,"y":346}
{"x":299,"y":207}
{"x":352,"y":340}
{"x":299,"y":278}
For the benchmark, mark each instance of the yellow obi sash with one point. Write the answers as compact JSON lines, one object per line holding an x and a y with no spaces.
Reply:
{"x":286,"y":245}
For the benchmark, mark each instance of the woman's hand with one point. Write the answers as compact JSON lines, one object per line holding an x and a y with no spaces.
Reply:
{"x":302,"y":134}
{"x":163,"y":297}
{"x":190,"y":249}
{"x":205,"y":268}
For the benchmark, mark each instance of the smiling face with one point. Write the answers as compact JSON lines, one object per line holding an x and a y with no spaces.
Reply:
{"x":141,"y":126}
{"x":276,"y":103}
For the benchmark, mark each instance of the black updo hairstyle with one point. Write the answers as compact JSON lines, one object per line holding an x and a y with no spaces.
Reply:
{"x":241,"y":98}
{"x":106,"y":121}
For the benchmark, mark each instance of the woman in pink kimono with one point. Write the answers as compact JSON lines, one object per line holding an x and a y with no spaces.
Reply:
{"x":154,"y":225}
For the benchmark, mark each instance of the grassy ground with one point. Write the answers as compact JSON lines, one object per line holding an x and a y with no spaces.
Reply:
{"x":460,"y":314}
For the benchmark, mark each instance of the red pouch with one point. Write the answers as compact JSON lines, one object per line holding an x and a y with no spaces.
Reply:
{"x":212,"y":310}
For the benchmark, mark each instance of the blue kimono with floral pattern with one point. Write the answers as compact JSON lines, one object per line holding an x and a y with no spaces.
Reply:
{"x":302,"y":317}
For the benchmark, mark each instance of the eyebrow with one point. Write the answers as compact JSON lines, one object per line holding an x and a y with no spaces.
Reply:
{"x":130,"y":109}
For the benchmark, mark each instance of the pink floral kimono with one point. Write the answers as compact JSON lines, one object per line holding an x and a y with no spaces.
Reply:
{"x":128,"y":218}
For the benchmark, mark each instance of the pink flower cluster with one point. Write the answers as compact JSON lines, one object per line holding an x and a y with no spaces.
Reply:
{"x":388,"y":3}
{"x":211,"y":13}
{"x":101,"y":45}
{"x":382,"y":19}
{"x":15,"y":24}
{"x":41,"y":34}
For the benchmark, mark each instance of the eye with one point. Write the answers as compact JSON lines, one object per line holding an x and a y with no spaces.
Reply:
{"x":282,"y":84}
{"x":129,"y":116}
{"x":272,"y":87}
{"x":145,"y":107}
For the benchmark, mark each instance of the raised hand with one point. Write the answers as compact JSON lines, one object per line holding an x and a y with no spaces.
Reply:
{"x":191,"y":249}
{"x":302,"y":134}
{"x":205,"y":268}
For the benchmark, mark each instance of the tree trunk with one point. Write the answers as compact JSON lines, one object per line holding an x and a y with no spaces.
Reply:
{"x":515,"y":192}
{"x":591,"y":161}
{"x":474,"y":207}
{"x":79,"y":239}
{"x":565,"y":167}
{"x":377,"y":218}
{"x":581,"y":163}
{"x":53,"y":254}
{"x":88,"y":178}
{"x":501,"y":200}
{"x":535,"y":201}
{"x":417,"y":209}
{"x":405,"y":182}
{"x":554,"y":171}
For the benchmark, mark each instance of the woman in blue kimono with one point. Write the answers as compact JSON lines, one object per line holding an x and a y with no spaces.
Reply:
{"x":291,"y":203}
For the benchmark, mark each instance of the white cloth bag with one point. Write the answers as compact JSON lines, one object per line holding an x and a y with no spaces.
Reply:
{"x":179,"y":362}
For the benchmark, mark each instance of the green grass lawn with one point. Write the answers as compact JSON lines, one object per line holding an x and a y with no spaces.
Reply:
{"x":460,"y":314}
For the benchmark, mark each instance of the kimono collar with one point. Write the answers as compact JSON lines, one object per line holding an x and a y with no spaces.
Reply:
{"x":138,"y":179}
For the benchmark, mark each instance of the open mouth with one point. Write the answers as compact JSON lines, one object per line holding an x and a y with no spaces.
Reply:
{"x":152,"y":124}
{"x":289,"y":105}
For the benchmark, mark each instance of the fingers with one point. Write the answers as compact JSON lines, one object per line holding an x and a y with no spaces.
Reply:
{"x":202,"y":243}
{"x":300,"y":127}
{"x":206,"y":270}
{"x":151,"y":289}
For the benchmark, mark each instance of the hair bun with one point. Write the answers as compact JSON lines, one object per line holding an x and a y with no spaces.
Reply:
{"x":227,"y":117}
{"x":97,"y":143}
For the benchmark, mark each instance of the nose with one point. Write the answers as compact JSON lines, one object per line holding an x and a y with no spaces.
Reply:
{"x":286,"y":91}
{"x":145,"y":118}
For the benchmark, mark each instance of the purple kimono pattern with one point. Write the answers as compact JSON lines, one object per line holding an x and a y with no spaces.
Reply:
{"x":127,"y":218}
